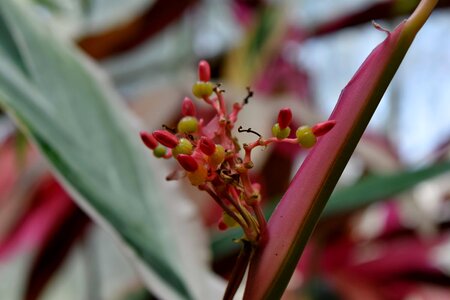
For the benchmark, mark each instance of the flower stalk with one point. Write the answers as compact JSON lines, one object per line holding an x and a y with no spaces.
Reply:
{"x":294,"y":219}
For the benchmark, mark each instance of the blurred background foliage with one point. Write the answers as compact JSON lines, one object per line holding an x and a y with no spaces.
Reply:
{"x":384,"y":234}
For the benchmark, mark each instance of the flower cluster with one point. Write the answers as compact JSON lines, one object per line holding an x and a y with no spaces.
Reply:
{"x":209,"y":153}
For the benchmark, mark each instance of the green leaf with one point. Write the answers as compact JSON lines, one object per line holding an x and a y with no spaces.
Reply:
{"x":378,"y":187}
{"x":138,"y":293}
{"x":52,"y":5}
{"x":81,"y":128}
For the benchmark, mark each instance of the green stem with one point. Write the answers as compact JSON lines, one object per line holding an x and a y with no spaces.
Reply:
{"x":420,"y":15}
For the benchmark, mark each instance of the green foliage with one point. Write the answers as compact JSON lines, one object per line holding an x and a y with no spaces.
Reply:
{"x":79,"y":125}
{"x":378,"y":187}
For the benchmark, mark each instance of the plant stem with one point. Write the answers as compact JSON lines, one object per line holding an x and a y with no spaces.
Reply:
{"x":233,"y":200}
{"x":260,"y":217}
{"x":294,"y":219}
{"x":230,"y":212}
{"x":420,"y":15}
{"x":239,"y":270}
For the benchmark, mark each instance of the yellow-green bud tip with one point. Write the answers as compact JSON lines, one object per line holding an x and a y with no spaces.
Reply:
{"x":280,"y":133}
{"x":184,"y":147}
{"x":229,"y":221}
{"x":217,"y":157}
{"x":202,"y":89}
{"x":187,"y":124}
{"x":305,"y":137}
{"x":160,"y":151}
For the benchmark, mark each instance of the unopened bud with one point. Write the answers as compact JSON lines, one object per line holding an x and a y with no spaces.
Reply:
{"x":187,"y":162}
{"x":166,"y":138}
{"x":322,"y":128}
{"x":222,"y":226}
{"x":204,"y":71}
{"x":284,"y":117}
{"x":148,"y":140}
{"x":188,"y":107}
{"x":207,"y":146}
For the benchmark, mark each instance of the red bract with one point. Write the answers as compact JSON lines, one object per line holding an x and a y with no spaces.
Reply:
{"x":188,"y":107}
{"x":166,"y":138}
{"x":284,"y":117}
{"x":148,"y":140}
{"x":222,"y":226}
{"x":204,"y":71}
{"x":187,"y":162}
{"x":207,"y":146}
{"x":322,"y":128}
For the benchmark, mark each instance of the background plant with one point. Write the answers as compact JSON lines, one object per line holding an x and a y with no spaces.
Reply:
{"x":25,"y":79}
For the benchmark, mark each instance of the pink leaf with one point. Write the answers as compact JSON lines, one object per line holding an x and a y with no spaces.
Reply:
{"x":294,"y":219}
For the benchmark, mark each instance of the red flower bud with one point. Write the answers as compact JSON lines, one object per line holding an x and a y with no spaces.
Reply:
{"x":204,"y":71}
{"x":148,"y":140}
{"x":187,"y":162}
{"x":322,"y":128}
{"x":166,"y":138}
{"x":284,"y":117}
{"x":222,"y":226}
{"x":207,"y":146}
{"x":188,"y":108}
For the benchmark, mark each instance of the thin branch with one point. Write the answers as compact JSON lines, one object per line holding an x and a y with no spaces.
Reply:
{"x":239,"y":270}
{"x":229,"y":211}
{"x":249,"y":95}
{"x":248,"y":130}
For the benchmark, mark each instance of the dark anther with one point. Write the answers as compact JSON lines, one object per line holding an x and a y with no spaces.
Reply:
{"x":249,"y":130}
{"x":225,"y":171}
{"x":218,"y":89}
{"x":236,"y":177}
{"x":225,"y":176}
{"x":249,"y":95}
{"x":228,"y":177}
{"x":171,"y":130}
